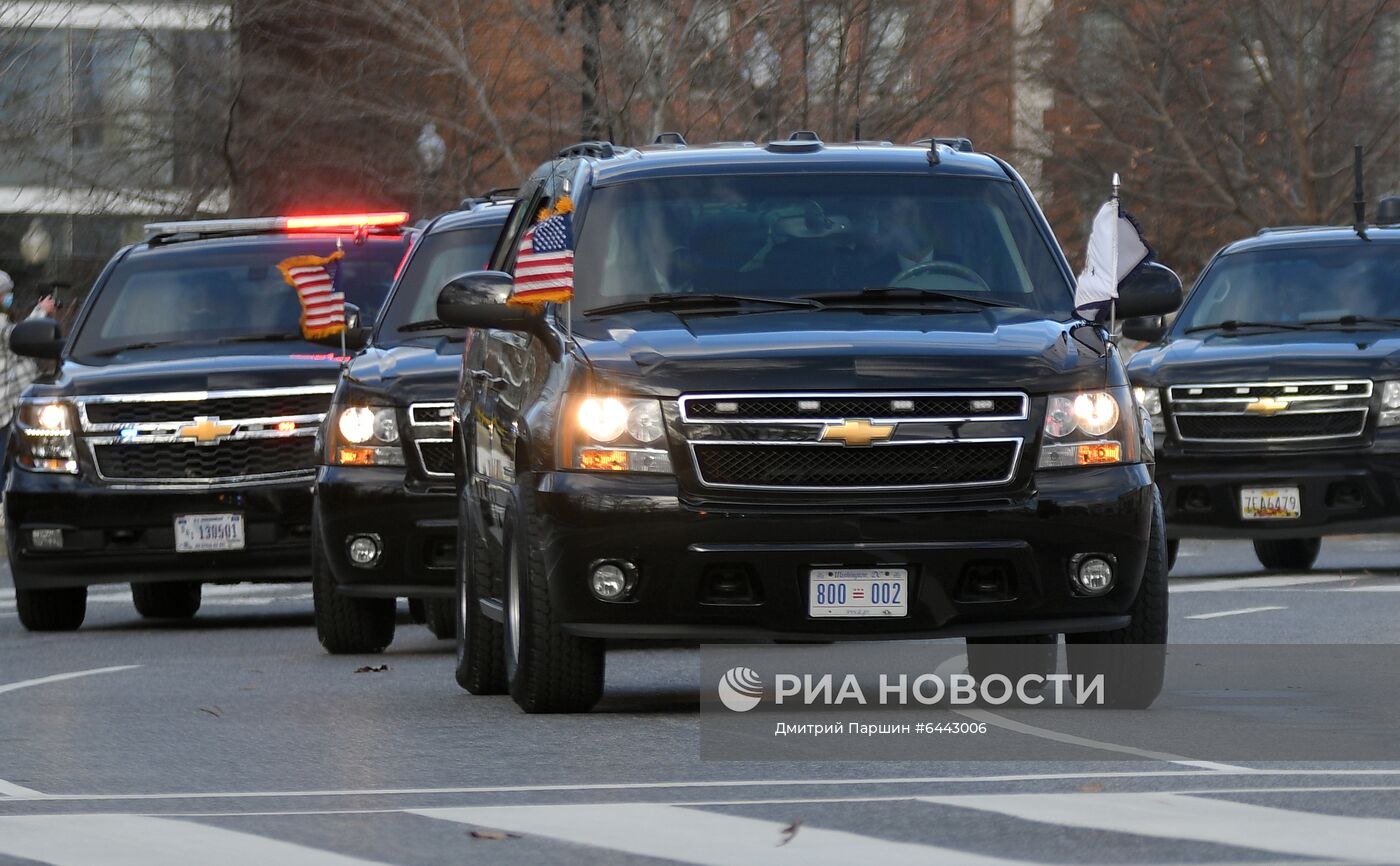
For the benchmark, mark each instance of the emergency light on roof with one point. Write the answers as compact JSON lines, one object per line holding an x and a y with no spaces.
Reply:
{"x":280,"y":223}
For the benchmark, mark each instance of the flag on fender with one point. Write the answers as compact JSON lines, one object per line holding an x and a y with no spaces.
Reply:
{"x":1116,"y":249}
{"x":544,"y":261}
{"x":322,"y":307}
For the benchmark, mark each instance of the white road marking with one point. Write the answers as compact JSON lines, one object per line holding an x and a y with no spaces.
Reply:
{"x":1267,"y":582}
{"x":688,"y":835}
{"x":137,"y":840}
{"x":722,"y":783}
{"x":1202,"y":819}
{"x":1237,"y":612}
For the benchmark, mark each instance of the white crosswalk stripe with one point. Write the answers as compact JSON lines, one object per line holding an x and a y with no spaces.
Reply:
{"x":687,"y":835}
{"x":1201,"y":819}
{"x":138,"y":840}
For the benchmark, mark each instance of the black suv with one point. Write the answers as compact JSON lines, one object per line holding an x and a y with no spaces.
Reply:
{"x":803,"y":392}
{"x":385,"y":520}
{"x":1275,"y":394}
{"x":174,"y":444}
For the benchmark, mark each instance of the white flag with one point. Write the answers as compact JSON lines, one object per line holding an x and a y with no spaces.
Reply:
{"x":1116,"y":248}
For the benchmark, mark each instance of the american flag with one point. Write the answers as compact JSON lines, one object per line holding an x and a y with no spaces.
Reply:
{"x":544,"y":264}
{"x":322,"y":307}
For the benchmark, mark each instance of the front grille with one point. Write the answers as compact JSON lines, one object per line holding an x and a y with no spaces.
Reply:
{"x":839,"y":467}
{"x":182,"y":461}
{"x":153,"y":411}
{"x":1262,"y":412}
{"x":816,"y":407}
{"x":437,"y":456}
{"x":1296,"y":426}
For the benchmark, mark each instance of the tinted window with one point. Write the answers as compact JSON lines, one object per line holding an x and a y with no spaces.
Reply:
{"x":1297,"y":284}
{"x":195,"y":293}
{"x":785,"y":235}
{"x":439,"y":257}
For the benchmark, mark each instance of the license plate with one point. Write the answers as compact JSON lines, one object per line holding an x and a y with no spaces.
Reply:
{"x":1270,"y":503}
{"x":858,"y":592}
{"x":198,"y":532}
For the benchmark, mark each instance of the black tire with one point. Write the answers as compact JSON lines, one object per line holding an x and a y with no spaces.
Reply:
{"x":52,"y":609}
{"x":481,"y":662}
{"x":1173,"y":546}
{"x":441,"y":617}
{"x":417,"y":611}
{"x":347,"y":625}
{"x":1134,"y":672}
{"x":167,"y":600}
{"x":548,"y":671}
{"x":1013,"y":657}
{"x":1288,"y":554}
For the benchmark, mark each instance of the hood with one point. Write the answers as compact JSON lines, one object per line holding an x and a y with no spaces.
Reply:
{"x":225,"y":369}
{"x":411,"y":372}
{"x":833,"y":349}
{"x":1312,"y":354}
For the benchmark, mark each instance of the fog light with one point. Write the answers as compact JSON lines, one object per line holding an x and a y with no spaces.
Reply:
{"x":611,"y":581}
{"x":46,"y":539}
{"x":1093,"y":575}
{"x":364,"y":550}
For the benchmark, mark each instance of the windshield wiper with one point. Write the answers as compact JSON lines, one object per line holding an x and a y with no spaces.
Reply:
{"x":1237,"y":324}
{"x":260,"y":338}
{"x":1349,"y":321}
{"x":131,"y":347}
{"x":888,"y":294}
{"x":705,"y":301}
{"x":425,"y":325}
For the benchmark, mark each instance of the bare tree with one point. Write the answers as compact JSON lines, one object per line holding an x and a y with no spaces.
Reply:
{"x":1222,"y":117}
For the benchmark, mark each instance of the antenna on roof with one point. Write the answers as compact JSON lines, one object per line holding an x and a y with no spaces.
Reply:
{"x":857,"y":138}
{"x":1360,"y":203}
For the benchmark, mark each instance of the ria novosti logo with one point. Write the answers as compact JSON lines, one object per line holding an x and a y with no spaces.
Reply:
{"x":740,"y":689}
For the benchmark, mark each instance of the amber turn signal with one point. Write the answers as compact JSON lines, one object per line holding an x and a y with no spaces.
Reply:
{"x":601,"y":458}
{"x":1100,"y":452}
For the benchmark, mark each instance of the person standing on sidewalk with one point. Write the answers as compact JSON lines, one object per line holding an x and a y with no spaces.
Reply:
{"x":16,"y":371}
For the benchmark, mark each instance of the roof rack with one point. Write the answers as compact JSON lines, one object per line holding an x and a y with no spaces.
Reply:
{"x":669,"y":138}
{"x":1270,"y":230}
{"x":961,"y":145}
{"x":600,"y":149}
{"x":357,"y":223}
{"x":494,"y":195}
{"x":804,"y":135}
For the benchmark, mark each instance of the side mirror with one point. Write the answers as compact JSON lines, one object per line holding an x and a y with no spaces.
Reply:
{"x":477,"y":299}
{"x":1145,"y":329}
{"x":352,"y":316}
{"x":37,"y":338}
{"x":1152,"y":290}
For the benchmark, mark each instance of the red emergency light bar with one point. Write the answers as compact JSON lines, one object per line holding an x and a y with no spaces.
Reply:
{"x":280,"y":223}
{"x":347,"y":220}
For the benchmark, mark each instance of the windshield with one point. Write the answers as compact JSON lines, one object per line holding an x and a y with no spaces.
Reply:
{"x":440,"y":256}
{"x":795,"y":235}
{"x":198,"y":294}
{"x":1297,"y":284}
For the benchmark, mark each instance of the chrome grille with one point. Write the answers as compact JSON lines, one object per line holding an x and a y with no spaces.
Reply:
{"x":430,"y":424}
{"x":773,"y":441}
{"x":1264,"y":412}
{"x":259,"y":435}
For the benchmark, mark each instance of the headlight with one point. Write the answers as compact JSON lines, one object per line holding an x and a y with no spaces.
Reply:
{"x":45,"y":442}
{"x":1390,"y":404}
{"x":367,"y":436}
{"x":1087,"y":429}
{"x":617,"y":434}
{"x":1151,"y":400}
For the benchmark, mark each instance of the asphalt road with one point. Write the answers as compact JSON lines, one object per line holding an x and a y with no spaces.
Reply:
{"x":234,"y":739}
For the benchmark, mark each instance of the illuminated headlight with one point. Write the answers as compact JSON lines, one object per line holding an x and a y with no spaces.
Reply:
{"x":1086,"y":429}
{"x":618,"y":434}
{"x":367,"y":436}
{"x":46,"y":442}
{"x":1151,"y":400}
{"x":1390,"y":404}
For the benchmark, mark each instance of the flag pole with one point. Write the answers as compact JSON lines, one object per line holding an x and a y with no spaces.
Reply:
{"x":1113,"y":302}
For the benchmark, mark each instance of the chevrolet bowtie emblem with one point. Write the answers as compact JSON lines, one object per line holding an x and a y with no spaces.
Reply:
{"x":854,"y":431}
{"x":206,"y":429}
{"x":1266,"y":406}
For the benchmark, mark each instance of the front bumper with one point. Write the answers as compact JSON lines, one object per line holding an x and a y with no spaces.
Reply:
{"x":124,"y":535}
{"x":416,"y":525}
{"x":1341,"y":492}
{"x":1026,"y":542}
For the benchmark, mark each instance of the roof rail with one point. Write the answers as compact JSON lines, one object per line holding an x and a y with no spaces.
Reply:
{"x":491,"y":196}
{"x":1269,"y":230}
{"x":669,"y":138}
{"x":804,"y":135}
{"x":962,"y":145}
{"x":600,"y":149}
